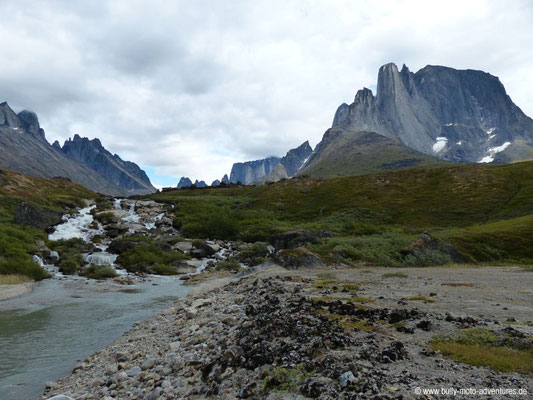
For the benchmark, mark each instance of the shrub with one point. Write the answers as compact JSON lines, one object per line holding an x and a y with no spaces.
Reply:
{"x":214,"y":226}
{"x":68,"y":266}
{"x":143,"y":257}
{"x":163,"y":269}
{"x":106,"y":218}
{"x":228,"y":265}
{"x":99,"y":272}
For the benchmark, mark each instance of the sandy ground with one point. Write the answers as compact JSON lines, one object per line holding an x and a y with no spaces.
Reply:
{"x":10,"y":291}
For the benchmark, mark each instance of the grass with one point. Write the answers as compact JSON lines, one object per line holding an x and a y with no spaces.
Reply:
{"x":395,"y":275}
{"x":420,"y":298}
{"x":483,"y":347}
{"x":13,"y":279}
{"x":286,"y":379}
{"x":457,"y":284}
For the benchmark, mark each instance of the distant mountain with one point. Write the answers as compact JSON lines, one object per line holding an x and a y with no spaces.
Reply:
{"x":250,"y":171}
{"x":289,"y":165}
{"x":200,"y":184}
{"x":456,"y":115}
{"x":125,"y":174}
{"x":184,"y":182}
{"x":24,"y":148}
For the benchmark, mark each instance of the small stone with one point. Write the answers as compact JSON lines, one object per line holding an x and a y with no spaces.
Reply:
{"x":50,"y":385}
{"x":61,"y":397}
{"x":155,"y":394}
{"x":165,"y":384}
{"x":346,"y":378}
{"x":134,"y":371}
{"x":121,"y":376}
{"x":148,"y":364}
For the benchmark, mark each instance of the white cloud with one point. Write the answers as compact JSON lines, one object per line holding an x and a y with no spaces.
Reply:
{"x":188,"y":88}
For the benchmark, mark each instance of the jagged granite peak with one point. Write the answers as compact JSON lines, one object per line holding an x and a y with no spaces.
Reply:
{"x":458,"y":115}
{"x":124,"y":174}
{"x":200,"y":184}
{"x":295,"y":158}
{"x":250,"y":171}
{"x":184,"y":182}
{"x":56,"y":145}
{"x":341,"y":115}
{"x":225,"y":179}
{"x":215,"y":183}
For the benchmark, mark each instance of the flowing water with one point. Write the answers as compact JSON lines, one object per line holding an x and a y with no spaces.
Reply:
{"x":43,"y":335}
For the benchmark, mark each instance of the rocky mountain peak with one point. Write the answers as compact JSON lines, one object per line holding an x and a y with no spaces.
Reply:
{"x":457,"y":115}
{"x":30,"y":123}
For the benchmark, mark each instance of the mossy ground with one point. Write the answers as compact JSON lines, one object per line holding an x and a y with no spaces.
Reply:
{"x":483,"y":347}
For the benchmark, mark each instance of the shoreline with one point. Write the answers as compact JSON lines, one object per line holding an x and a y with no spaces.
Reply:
{"x":262,"y":336}
{"x":11,"y":291}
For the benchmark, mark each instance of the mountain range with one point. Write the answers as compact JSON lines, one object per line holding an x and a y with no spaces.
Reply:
{"x":433,"y":117}
{"x":24,"y":148}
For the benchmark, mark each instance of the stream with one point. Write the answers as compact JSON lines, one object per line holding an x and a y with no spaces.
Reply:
{"x":44,"y":334}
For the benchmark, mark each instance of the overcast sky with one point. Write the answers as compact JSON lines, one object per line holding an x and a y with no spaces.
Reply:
{"x":190,"y":87}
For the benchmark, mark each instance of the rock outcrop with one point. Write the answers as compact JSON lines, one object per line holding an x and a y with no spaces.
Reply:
{"x":125,"y":174}
{"x":29,"y":214}
{"x":456,"y":115}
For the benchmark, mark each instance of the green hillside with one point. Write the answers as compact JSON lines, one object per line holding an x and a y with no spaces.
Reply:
{"x":345,"y":152}
{"x":484,"y":210}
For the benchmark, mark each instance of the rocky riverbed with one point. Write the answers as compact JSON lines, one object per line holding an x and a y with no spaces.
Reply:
{"x":327,"y":334}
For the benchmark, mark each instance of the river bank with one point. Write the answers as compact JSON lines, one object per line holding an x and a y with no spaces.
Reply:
{"x":11,"y":291}
{"x":328,"y":334}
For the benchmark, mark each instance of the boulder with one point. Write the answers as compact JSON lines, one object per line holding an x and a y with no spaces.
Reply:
{"x":29,"y":214}
{"x":425,"y":242}
{"x":292,"y":239}
{"x":298,"y":258}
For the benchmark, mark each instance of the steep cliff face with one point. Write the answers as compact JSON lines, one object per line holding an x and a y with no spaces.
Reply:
{"x":289,"y":165}
{"x":250,"y":171}
{"x":124,"y":174}
{"x":457,"y":115}
{"x":24,"y":148}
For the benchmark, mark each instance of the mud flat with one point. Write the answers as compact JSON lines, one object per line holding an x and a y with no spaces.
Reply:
{"x":328,"y":334}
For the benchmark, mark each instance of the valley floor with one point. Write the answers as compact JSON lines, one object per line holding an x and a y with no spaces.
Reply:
{"x":328,"y":334}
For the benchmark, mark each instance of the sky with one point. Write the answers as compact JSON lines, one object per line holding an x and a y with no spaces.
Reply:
{"x":187,"y":88}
